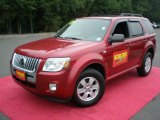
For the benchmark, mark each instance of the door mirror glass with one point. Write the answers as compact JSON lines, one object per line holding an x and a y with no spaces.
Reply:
{"x":117,"y":38}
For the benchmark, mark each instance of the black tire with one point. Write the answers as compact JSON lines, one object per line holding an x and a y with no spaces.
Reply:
{"x":89,"y":75}
{"x":141,"y":70}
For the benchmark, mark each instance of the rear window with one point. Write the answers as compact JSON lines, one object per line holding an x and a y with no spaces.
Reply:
{"x":148,"y":26}
{"x":136,"y":28}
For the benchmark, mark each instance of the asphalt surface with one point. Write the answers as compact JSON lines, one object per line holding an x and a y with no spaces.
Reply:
{"x":156,"y":61}
{"x":3,"y":116}
{"x":9,"y":42}
{"x":150,"y":112}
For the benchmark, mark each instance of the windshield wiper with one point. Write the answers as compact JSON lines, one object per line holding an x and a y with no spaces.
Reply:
{"x":74,"y":38}
{"x":58,"y":36}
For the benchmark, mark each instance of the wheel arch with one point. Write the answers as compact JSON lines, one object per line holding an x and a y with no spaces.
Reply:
{"x":92,"y":60}
{"x":97,"y":66}
{"x":148,"y":49}
{"x":151,"y":50}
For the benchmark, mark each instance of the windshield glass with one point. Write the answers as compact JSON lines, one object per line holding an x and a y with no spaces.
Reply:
{"x":85,"y":29}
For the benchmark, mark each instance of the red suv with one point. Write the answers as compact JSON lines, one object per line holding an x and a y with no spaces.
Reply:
{"x":83,"y":55}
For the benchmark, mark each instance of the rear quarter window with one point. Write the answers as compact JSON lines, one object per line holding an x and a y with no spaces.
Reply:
{"x":136,"y":28}
{"x":148,"y":26}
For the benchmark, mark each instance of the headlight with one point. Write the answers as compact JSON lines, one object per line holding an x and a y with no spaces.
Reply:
{"x":56,"y":64}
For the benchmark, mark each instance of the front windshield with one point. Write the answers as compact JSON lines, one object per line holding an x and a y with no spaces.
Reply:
{"x":85,"y":29}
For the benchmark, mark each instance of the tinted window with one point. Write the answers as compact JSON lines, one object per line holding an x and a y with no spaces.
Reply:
{"x":121,"y":28}
{"x":148,"y":26}
{"x":136,"y":29}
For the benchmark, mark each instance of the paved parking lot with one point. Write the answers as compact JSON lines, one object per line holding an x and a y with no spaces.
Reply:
{"x":156,"y":61}
{"x":9,"y":42}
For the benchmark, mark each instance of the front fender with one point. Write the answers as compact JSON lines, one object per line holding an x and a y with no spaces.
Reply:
{"x":79,"y":66}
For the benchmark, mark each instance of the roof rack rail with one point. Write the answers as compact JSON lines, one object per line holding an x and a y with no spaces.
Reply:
{"x":118,"y":14}
{"x":129,"y":14}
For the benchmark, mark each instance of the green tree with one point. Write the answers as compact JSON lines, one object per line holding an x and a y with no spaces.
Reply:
{"x":140,"y":6}
{"x":30,"y":7}
{"x":154,"y":11}
{"x":19,"y":16}
{"x":7,"y":14}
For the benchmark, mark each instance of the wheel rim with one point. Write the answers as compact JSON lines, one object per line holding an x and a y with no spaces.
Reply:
{"x":148,"y":64}
{"x":88,"y":88}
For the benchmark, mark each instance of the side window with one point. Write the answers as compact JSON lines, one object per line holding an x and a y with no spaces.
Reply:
{"x":148,"y":26}
{"x":136,"y":28}
{"x":121,"y":28}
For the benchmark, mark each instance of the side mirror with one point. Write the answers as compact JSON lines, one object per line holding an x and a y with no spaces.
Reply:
{"x":117,"y":38}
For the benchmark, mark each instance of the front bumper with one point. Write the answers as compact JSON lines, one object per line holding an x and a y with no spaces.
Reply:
{"x":39,"y":83}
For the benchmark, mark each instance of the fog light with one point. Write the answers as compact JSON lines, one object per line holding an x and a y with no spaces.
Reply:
{"x":52,"y":87}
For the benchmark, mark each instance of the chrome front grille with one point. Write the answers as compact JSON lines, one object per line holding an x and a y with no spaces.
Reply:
{"x":25,"y":63}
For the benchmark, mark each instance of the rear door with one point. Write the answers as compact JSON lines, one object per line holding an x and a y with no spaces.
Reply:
{"x":136,"y":41}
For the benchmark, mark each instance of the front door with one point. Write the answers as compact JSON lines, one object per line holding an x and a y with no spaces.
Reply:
{"x":118,"y":53}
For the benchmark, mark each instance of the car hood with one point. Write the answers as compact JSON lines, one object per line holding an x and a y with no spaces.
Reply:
{"x":53,"y":47}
